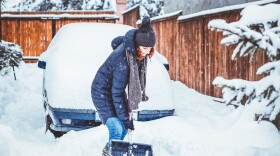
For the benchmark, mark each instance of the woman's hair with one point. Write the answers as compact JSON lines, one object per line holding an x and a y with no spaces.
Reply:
{"x":140,"y":56}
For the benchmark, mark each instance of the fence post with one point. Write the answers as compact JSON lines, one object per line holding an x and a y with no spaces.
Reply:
{"x":53,"y":27}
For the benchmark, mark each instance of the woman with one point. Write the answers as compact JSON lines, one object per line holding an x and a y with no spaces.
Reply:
{"x":126,"y":66}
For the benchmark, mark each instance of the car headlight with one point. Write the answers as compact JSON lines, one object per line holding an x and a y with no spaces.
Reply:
{"x":66,"y":121}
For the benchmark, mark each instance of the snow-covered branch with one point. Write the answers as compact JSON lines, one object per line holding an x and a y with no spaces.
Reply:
{"x":251,"y":33}
{"x":235,"y":89}
{"x":270,"y":68}
{"x":248,"y":40}
{"x":151,"y":8}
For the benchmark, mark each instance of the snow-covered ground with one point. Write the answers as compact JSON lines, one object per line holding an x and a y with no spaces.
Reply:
{"x":201,"y":126}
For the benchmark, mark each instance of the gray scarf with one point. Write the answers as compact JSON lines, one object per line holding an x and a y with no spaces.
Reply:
{"x":137,"y":83}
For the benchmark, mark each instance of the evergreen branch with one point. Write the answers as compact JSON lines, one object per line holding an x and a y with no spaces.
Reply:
{"x":253,"y":54}
{"x":272,"y":101}
{"x":246,"y":49}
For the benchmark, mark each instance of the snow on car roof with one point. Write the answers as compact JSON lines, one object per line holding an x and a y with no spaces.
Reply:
{"x":74,"y":56}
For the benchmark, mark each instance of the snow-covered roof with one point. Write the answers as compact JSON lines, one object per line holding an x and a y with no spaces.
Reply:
{"x":58,"y":16}
{"x":228,"y":8}
{"x":130,"y":8}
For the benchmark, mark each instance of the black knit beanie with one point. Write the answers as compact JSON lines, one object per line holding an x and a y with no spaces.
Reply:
{"x":145,"y":36}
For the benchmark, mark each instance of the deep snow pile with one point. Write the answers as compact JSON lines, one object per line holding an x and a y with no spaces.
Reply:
{"x":200,"y":127}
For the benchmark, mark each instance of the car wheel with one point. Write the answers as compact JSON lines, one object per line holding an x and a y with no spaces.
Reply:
{"x":56,"y":134}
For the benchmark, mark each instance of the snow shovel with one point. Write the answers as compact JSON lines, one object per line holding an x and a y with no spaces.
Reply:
{"x":123,"y":148}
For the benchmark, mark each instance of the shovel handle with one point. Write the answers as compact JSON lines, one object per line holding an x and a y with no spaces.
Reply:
{"x":129,"y":130}
{"x":129,"y":135}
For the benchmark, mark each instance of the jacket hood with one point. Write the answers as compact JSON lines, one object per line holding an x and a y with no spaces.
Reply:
{"x":127,"y":40}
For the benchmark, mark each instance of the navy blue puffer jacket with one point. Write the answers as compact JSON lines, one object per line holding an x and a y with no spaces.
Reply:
{"x":108,"y":87}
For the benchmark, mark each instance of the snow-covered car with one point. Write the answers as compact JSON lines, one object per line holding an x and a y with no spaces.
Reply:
{"x":70,"y":64}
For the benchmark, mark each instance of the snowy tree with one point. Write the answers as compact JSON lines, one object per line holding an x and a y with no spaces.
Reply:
{"x":60,"y":5}
{"x":3,"y":4}
{"x":148,"y":7}
{"x":27,"y":5}
{"x":258,"y":30}
{"x":95,"y":5}
{"x":10,"y":57}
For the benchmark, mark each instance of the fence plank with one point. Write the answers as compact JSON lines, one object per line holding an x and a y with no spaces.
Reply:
{"x":182,"y":54}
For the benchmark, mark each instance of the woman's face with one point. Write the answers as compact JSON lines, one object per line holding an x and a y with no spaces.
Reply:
{"x":145,"y":50}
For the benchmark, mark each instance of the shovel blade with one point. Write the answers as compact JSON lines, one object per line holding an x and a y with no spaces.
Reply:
{"x":122,"y":148}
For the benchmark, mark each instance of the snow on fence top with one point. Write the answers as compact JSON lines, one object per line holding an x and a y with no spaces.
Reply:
{"x":228,"y":8}
{"x":54,"y":16}
{"x":163,"y":16}
{"x":251,"y":14}
{"x":167,"y":15}
{"x":130,"y":8}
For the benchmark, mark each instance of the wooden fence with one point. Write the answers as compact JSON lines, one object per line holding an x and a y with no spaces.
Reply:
{"x":202,"y":58}
{"x":33,"y":31}
{"x":195,"y":54}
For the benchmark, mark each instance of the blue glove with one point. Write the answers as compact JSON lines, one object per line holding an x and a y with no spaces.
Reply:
{"x":128,"y":124}
{"x":144,"y":97}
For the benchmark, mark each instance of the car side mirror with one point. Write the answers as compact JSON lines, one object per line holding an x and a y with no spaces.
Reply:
{"x":42,"y":64}
{"x":166,"y":66}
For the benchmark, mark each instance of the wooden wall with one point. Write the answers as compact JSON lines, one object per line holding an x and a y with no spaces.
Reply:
{"x":34,"y":34}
